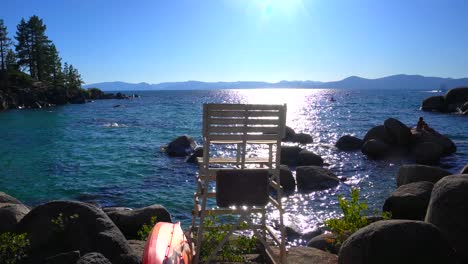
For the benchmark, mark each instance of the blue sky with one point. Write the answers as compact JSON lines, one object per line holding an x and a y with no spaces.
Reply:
{"x":252,"y":40}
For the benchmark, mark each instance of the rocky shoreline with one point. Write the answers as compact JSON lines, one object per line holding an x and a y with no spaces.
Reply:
{"x":454,"y":101}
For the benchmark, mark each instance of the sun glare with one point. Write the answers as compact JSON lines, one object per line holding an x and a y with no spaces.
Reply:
{"x":270,"y":8}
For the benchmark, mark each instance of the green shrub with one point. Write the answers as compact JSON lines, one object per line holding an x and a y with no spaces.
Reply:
{"x":352,"y":219}
{"x":145,"y":229}
{"x":233,"y":249}
{"x":13,"y":247}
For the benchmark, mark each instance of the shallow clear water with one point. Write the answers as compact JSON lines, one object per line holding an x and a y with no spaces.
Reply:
{"x":111,"y":155}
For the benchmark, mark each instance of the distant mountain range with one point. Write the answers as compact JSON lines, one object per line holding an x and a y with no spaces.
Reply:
{"x":402,"y":81}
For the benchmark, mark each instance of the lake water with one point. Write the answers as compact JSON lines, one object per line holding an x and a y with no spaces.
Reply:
{"x":111,"y":155}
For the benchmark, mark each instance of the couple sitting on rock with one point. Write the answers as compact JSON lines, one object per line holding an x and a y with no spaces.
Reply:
{"x":423,"y":126}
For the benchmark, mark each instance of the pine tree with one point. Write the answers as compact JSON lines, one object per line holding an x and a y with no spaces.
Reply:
{"x":54,"y":67}
{"x":33,"y":47}
{"x":5,"y":43}
{"x":11,"y":63}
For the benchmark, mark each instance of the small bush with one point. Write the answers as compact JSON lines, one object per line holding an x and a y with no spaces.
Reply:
{"x":145,"y":229}
{"x":352,"y":219}
{"x":13,"y":247}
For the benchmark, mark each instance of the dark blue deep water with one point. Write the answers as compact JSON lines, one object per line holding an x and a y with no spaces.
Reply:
{"x":111,"y":155}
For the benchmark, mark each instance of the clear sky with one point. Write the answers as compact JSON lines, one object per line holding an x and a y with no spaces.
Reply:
{"x":252,"y":40}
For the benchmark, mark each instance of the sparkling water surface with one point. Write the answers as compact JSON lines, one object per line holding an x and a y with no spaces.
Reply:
{"x":108,"y":152}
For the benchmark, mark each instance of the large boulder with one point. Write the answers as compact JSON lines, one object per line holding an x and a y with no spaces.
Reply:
{"x":434,"y":103}
{"x":62,"y":258}
{"x":348,"y":142}
{"x":311,"y":178}
{"x":428,"y":153}
{"x":455,"y":98}
{"x":290,"y":155}
{"x":415,"y":173}
{"x":325,"y":242}
{"x":5,"y":198}
{"x":397,"y":241}
{"x":399,"y":131}
{"x":380,"y":133}
{"x":10,"y":215}
{"x":302,"y":138}
{"x":130,"y":221}
{"x":287,"y":179}
{"x":448,"y":147}
{"x":308,"y":158}
{"x":181,"y":146}
{"x":409,"y":201}
{"x":376,"y":149}
{"x":448,"y":210}
{"x":63,"y":226}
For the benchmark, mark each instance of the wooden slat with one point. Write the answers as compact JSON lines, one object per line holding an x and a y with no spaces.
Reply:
{"x":240,"y":141}
{"x":242,"y":106}
{"x":241,"y":137}
{"x":241,"y":121}
{"x":247,"y":129}
{"x":234,"y":160}
{"x":238,"y":114}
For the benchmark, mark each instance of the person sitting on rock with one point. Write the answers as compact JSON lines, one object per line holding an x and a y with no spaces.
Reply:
{"x":423,"y":126}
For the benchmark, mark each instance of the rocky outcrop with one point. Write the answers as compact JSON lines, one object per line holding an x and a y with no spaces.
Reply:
{"x":290,"y":155}
{"x":397,"y":241}
{"x":307,"y":255}
{"x":399,"y":132}
{"x":5,"y":198}
{"x":64,"y":226}
{"x":348,"y":142}
{"x":197,"y":153}
{"x":311,"y":178}
{"x":308,"y":158}
{"x":448,"y":210}
{"x":394,"y":140}
{"x":130,"y":221}
{"x":289,"y":134}
{"x":409,"y":201}
{"x":415,"y":173}
{"x":181,"y":146}
{"x":452,"y":101}
{"x":66,"y":257}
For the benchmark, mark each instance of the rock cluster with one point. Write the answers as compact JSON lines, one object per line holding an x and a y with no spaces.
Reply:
{"x":77,"y":232}
{"x":394,"y":140}
{"x":455,"y":100}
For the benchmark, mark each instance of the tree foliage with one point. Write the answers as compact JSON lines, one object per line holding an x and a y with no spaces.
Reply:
{"x":5,"y":43}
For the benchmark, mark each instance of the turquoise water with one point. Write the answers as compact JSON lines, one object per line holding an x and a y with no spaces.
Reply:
{"x":111,"y":155}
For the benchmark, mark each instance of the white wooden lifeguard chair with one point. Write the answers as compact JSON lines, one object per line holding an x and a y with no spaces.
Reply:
{"x":242,"y":182}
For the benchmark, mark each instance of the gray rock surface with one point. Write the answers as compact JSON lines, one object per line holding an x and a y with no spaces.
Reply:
{"x":428,"y":153}
{"x":415,"y":172}
{"x":399,"y":131}
{"x":434,"y":103}
{"x":287,"y":179}
{"x":380,"y":133}
{"x":448,"y":210}
{"x":325,"y":242}
{"x":181,"y":146}
{"x":290,"y":155}
{"x":375,"y":148}
{"x":397,"y":241}
{"x":409,"y":201}
{"x":93,"y":258}
{"x":5,"y":198}
{"x":308,"y":255}
{"x":10,"y":215}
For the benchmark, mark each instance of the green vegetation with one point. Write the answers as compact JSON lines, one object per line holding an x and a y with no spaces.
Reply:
{"x":62,"y":222}
{"x":13,"y":247}
{"x":352,"y":219}
{"x":233,"y":249}
{"x":31,"y":70}
{"x":145,"y":229}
